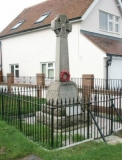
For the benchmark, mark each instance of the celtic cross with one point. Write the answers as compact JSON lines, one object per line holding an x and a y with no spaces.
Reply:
{"x":61,"y":26}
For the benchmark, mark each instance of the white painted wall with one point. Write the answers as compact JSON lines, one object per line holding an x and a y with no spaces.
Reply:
{"x":86,"y":58}
{"x":91,"y":23}
{"x":30,"y":49}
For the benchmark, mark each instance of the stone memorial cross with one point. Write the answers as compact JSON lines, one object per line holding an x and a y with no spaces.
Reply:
{"x":61,"y":26}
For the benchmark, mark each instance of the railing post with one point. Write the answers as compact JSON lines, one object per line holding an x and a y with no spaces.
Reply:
{"x":112,"y":107}
{"x":96,"y":123}
{"x":19,"y":111}
{"x":2,"y":105}
{"x":52,"y":126}
{"x":88,"y":118}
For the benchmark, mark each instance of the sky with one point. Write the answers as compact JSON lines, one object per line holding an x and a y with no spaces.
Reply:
{"x":9,"y":10}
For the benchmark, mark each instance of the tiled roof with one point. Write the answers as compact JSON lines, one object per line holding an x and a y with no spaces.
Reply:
{"x":110,"y":45}
{"x":72,"y":8}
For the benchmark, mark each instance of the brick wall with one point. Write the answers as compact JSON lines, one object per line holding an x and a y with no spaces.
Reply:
{"x":87,"y":86}
{"x":0,"y":76}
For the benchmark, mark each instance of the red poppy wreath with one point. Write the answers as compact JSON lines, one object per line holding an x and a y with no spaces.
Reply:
{"x":64,"y":76}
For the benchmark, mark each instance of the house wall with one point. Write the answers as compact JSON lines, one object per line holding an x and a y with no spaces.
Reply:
{"x":30,"y":49}
{"x":91,"y":23}
{"x":88,"y":58}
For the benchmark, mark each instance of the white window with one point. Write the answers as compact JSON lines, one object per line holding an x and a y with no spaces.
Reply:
{"x":103,"y":19}
{"x":18,"y":24}
{"x":108,"y":22}
{"x":48,"y":69}
{"x":14,"y":68}
{"x":44,"y":16}
{"x":117,"y":24}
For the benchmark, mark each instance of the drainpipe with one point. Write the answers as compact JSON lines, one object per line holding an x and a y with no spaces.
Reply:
{"x":1,"y":58}
{"x":108,"y":63}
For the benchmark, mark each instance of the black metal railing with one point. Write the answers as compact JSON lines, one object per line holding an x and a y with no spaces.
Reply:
{"x":101,"y":83}
{"x":96,"y":113}
{"x":97,"y":82}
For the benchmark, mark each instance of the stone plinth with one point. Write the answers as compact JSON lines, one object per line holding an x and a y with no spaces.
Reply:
{"x":64,"y":122}
{"x":67,"y":110}
{"x":65,"y":91}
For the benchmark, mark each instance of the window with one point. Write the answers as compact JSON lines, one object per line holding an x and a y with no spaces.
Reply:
{"x":103,"y":21}
{"x":18,"y":24}
{"x":116,"y":24}
{"x":108,"y":22}
{"x":15,"y":70}
{"x":48,"y":69}
{"x":44,"y":16}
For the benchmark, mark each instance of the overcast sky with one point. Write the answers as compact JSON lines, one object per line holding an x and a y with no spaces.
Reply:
{"x":9,"y":9}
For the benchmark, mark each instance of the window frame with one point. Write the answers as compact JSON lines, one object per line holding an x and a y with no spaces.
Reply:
{"x":117,"y":23}
{"x":48,"y":68}
{"x":110,"y":21}
{"x":100,"y":21}
{"x":113,"y":21}
{"x":18,"y":24}
{"x":15,"y":69}
{"x":43,"y":17}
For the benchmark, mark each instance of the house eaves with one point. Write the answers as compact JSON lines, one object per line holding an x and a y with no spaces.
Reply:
{"x":109,"y":45}
{"x":25,"y":31}
{"x":113,"y":55}
{"x":77,"y":19}
{"x":89,"y":10}
{"x":119,"y":4}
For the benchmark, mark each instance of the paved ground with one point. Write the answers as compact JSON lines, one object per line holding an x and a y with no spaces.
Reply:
{"x":114,"y":139}
{"x":30,"y":157}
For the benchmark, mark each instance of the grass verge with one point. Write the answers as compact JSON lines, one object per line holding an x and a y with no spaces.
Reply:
{"x":14,"y":145}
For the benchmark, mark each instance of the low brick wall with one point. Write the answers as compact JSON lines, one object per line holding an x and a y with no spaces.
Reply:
{"x":0,"y":76}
